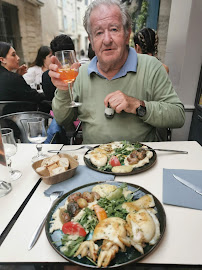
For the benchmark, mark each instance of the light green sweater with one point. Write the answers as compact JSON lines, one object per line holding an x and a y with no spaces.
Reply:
{"x":150,"y":83}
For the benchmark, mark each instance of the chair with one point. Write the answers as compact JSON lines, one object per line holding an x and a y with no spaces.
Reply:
{"x":17,"y":121}
{"x":76,"y":137}
{"x":163,"y":134}
{"x":7,"y":107}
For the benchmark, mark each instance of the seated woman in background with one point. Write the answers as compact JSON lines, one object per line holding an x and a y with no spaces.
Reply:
{"x":13,"y":87}
{"x":146,"y":42}
{"x":33,"y":77}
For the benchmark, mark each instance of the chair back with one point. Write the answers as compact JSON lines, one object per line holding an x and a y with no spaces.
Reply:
{"x":7,"y":107}
{"x":77,"y":136}
{"x":17,"y":121}
{"x":163,"y":134}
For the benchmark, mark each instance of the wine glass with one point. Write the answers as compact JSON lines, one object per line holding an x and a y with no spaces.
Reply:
{"x":5,"y":187}
{"x":68,"y":69}
{"x":10,"y":148}
{"x":36,"y":133}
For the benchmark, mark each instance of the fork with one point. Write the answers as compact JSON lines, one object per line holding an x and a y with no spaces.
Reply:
{"x":63,"y":151}
{"x":53,"y":197}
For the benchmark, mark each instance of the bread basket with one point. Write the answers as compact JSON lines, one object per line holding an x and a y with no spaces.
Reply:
{"x":51,"y":180}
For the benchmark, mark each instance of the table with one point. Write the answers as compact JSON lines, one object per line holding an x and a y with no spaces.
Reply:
{"x":22,"y":187}
{"x":181,"y":244}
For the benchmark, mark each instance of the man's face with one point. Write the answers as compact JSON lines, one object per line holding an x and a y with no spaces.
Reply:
{"x":107,"y":35}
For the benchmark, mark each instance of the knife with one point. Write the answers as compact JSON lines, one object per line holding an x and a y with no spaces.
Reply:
{"x":188,"y":184}
{"x":166,"y":150}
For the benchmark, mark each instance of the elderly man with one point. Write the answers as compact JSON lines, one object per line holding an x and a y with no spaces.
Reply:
{"x":135,"y":86}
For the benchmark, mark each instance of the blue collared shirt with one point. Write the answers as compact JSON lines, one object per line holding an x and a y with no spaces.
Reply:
{"x":130,"y":65}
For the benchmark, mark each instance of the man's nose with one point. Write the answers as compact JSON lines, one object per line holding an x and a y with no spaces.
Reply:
{"x":107,"y":37}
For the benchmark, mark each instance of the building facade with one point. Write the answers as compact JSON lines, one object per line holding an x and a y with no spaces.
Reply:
{"x":65,"y":17}
{"x":29,"y":24}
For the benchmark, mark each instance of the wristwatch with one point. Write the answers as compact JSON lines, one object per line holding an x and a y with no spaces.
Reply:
{"x":141,"y":110}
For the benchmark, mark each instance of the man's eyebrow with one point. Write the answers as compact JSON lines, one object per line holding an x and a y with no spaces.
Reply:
{"x":97,"y":28}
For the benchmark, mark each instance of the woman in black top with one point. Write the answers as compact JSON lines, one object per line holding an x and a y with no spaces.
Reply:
{"x":12,"y":85}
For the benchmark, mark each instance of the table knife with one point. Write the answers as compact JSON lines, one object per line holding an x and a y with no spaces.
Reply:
{"x":188,"y":184}
{"x":164,"y":150}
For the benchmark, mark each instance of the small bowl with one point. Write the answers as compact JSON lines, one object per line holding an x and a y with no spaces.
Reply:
{"x":51,"y":180}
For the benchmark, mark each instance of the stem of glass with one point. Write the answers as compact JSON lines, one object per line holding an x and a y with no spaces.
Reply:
{"x":9,"y":166}
{"x":70,"y":91}
{"x":39,"y":149}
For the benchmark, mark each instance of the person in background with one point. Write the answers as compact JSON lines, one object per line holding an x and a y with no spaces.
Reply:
{"x":91,"y":53}
{"x":59,"y":43}
{"x":135,"y":86}
{"x":13,"y":87}
{"x":33,"y":77}
{"x":83,"y":59}
{"x":146,"y":42}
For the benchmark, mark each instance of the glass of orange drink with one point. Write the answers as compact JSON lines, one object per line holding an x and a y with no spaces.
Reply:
{"x":68,"y":70}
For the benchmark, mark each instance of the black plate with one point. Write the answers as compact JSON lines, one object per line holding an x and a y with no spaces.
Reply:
{"x":122,"y":258}
{"x":147,"y":166}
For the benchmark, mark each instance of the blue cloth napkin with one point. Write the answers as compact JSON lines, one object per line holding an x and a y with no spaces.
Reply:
{"x":175,"y":193}
{"x":83,"y":175}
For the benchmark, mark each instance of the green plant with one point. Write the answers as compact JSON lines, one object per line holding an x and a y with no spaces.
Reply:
{"x":141,"y":19}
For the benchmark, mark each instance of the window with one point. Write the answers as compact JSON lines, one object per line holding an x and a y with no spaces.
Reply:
{"x":78,"y":15}
{"x":65,"y":4}
{"x":60,"y":19}
{"x":9,"y":26}
{"x":73,"y":25}
{"x":65,"y":23}
{"x":59,"y":3}
{"x":86,"y":2}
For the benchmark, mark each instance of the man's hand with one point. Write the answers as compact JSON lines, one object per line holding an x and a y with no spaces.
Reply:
{"x":121,"y":102}
{"x":55,"y":76}
{"x":22,"y":70}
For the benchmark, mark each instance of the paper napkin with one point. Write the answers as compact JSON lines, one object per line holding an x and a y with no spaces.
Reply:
{"x":83,"y":175}
{"x":175,"y":193}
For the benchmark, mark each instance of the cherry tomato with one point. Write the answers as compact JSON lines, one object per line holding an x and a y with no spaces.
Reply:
{"x":114,"y":161}
{"x":73,"y":228}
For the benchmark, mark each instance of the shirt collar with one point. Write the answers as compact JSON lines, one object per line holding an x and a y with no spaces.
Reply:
{"x":130,"y":65}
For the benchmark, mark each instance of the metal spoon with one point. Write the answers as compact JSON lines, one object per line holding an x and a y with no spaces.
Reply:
{"x":53,"y":197}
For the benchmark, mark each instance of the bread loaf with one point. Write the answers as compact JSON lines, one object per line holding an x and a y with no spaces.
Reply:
{"x":57,"y":170}
{"x":53,"y":165}
{"x":42,"y":171}
{"x":50,"y":160}
{"x":64,"y":162}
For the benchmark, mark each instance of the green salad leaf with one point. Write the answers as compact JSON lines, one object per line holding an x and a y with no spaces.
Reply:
{"x":88,"y":220}
{"x":70,"y":246}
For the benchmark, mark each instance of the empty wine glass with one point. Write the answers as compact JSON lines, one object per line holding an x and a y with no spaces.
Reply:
{"x":68,"y":69}
{"x":5,"y":186}
{"x":36,"y":133}
{"x":10,"y":148}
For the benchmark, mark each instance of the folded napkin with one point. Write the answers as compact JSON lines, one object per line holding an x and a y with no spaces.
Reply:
{"x":83,"y":175}
{"x":175,"y":193}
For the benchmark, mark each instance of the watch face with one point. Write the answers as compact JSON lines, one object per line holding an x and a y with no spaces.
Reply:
{"x":141,"y":111}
